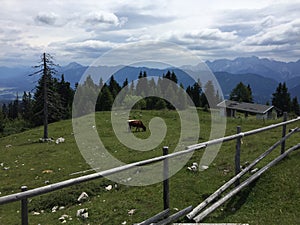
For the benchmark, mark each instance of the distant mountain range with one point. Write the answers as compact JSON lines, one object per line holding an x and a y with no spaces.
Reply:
{"x":279,"y":71}
{"x":263,"y":75}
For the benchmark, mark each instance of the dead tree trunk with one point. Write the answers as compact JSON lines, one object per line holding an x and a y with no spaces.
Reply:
{"x":45,"y":120}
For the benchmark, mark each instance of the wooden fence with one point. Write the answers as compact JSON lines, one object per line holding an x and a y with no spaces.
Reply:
{"x":164,"y":217}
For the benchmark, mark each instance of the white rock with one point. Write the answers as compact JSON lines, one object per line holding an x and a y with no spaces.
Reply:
{"x":203,"y":167}
{"x":109,"y":187}
{"x":36,"y":213}
{"x":64,"y":218}
{"x":82,"y":213}
{"x":85,"y":215}
{"x":60,"y":140}
{"x":131,"y":212}
{"x":61,"y":208}
{"x":82,"y":197}
{"x":124,"y":222}
{"x":8,"y":146}
{"x":194,"y":168}
{"x":54,"y":209}
{"x":195,"y":164}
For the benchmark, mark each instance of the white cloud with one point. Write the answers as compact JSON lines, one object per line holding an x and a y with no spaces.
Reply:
{"x":101,"y":17}
{"x":282,"y":34}
{"x":211,"y":34}
{"x":91,"y":44}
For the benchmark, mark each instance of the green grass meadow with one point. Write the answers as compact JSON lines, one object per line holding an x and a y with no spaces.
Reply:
{"x":272,"y":199}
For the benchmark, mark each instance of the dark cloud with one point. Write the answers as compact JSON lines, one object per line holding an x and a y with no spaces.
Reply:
{"x":137,"y":20}
{"x":46,"y":18}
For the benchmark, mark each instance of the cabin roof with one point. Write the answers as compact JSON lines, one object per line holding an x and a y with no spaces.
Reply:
{"x":245,"y":106}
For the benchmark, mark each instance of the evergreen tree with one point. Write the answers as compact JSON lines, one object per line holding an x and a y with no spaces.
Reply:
{"x":195,"y":93}
{"x":131,"y":88}
{"x":101,"y":83}
{"x":142,"y":84}
{"x":125,"y":83}
{"x":87,"y":91}
{"x":66,"y":94}
{"x":250,"y":93}
{"x":152,"y":91}
{"x":5,"y":111}
{"x":106,"y":99}
{"x":210,"y":95}
{"x":182,"y":100}
{"x":295,"y":106}
{"x":160,"y":104}
{"x":174,"y":77}
{"x":27,"y":107}
{"x":281,"y":98}
{"x":16,"y":110}
{"x":241,"y":93}
{"x":114,"y":87}
{"x":168,"y":75}
{"x":10,"y":111}
{"x":2,"y":121}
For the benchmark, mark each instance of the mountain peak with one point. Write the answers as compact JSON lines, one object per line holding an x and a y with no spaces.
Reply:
{"x":72,"y":65}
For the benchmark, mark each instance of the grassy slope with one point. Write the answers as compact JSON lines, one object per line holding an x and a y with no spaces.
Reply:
{"x":273,"y":199}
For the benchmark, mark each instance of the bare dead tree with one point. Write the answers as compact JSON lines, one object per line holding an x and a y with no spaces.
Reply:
{"x":45,"y":68}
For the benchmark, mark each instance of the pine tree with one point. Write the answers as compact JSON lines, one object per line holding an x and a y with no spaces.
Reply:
{"x":250,"y":93}
{"x":182,"y":98}
{"x":174,"y":77}
{"x":66,"y":94}
{"x":196,"y":92}
{"x":5,"y":111}
{"x":27,"y":107}
{"x":295,"y":106}
{"x":210,"y":95}
{"x":241,"y":93}
{"x":142,"y":84}
{"x":2,"y":121}
{"x":106,"y":99}
{"x":114,"y":87}
{"x":16,"y":110}
{"x":281,"y":98}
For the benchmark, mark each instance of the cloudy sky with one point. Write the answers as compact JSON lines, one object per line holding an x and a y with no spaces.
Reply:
{"x":82,"y":31}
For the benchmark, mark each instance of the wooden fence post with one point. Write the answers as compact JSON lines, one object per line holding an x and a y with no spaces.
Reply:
{"x":238,"y":154}
{"x":166,"y":192}
{"x":283,"y":132}
{"x":24,"y":208}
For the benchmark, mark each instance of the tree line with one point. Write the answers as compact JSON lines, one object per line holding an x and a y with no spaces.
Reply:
{"x":144,"y":92}
{"x":53,"y":98}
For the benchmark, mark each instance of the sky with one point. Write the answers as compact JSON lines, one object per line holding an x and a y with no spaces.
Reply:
{"x":82,"y":31}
